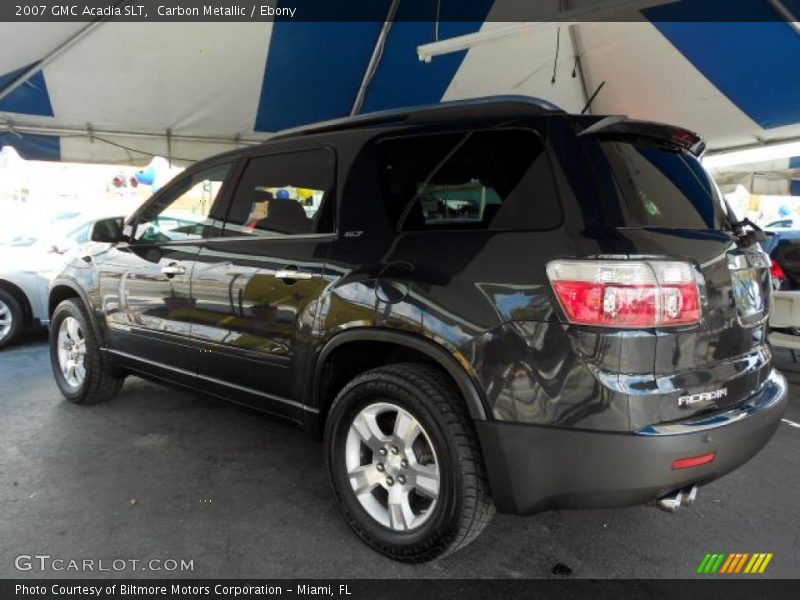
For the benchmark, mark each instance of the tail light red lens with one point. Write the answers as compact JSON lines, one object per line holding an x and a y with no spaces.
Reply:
{"x":776,"y":270}
{"x":631,"y":294}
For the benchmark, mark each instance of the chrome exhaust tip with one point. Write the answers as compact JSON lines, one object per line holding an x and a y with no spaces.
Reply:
{"x":677,"y":499}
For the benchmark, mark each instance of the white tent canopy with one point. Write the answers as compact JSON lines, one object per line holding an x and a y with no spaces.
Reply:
{"x":119,"y":92}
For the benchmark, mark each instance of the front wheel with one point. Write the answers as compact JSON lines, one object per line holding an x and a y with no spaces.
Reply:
{"x":81,"y":372}
{"x":405,"y":464}
{"x":12,"y":318}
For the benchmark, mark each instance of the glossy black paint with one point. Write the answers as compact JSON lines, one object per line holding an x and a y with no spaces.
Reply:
{"x":535,"y":468}
{"x":477,"y":303}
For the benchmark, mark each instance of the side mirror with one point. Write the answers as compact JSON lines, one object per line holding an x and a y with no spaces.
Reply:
{"x":108,"y":230}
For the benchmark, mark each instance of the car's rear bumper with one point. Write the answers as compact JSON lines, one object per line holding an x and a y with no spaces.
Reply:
{"x":534,"y":468}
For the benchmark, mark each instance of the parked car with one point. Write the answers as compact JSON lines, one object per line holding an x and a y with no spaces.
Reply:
{"x":783,"y":247}
{"x":597,"y":338}
{"x":788,"y":223}
{"x":28,"y":260}
{"x":26,"y":229}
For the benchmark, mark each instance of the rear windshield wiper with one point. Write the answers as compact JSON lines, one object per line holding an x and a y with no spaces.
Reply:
{"x":756,"y":234}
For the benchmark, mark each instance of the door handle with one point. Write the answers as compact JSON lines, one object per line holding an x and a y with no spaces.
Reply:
{"x":293,"y":275}
{"x":173,"y":269}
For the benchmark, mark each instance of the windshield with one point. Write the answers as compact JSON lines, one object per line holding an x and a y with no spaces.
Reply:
{"x":647,"y":185}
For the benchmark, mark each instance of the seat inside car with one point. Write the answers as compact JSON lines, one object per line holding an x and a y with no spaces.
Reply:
{"x":285,"y":216}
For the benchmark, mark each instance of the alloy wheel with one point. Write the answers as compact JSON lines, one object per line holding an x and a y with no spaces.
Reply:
{"x":6,"y":320}
{"x":72,"y":352}
{"x":392,"y":466}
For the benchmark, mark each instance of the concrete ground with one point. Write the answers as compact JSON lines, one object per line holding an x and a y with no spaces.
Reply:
{"x":157,"y":473}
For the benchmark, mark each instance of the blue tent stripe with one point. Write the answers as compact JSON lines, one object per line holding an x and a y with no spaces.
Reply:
{"x":794,"y":162}
{"x":752,"y":63}
{"x":313,"y":72}
{"x":33,"y":147}
{"x":31,"y":98}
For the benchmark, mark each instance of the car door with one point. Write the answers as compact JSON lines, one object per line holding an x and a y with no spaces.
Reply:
{"x":256,"y":288}
{"x":145,"y":283}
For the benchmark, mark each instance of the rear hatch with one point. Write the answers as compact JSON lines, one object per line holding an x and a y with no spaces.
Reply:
{"x":661,"y":204}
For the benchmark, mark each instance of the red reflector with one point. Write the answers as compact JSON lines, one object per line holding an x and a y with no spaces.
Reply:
{"x":693,"y":461}
{"x":776,"y":270}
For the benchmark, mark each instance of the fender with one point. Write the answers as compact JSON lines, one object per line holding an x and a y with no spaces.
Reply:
{"x":75,"y":287}
{"x":466,"y":384}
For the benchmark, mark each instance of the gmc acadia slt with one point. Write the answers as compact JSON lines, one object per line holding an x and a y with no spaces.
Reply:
{"x":477,"y":304}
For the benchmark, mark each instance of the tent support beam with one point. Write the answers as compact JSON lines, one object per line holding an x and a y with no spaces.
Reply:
{"x":592,"y":12}
{"x":787,"y":15}
{"x":90,"y":132}
{"x":54,"y":54}
{"x":745,"y":147}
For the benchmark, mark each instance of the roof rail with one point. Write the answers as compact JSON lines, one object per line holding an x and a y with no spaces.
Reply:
{"x":398,"y":115}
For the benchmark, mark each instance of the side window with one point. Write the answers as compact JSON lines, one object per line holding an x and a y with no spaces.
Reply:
{"x":284,"y":194}
{"x":497,"y":180}
{"x":183,"y":211}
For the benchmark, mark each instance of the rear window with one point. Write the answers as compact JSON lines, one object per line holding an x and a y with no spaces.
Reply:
{"x":498,"y":180}
{"x":651,"y":186}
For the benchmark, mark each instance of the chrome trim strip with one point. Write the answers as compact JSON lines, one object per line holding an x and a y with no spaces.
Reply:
{"x":771,"y":393}
{"x":213,"y":380}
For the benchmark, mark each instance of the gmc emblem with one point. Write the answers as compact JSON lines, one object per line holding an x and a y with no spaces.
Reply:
{"x":692,"y":399}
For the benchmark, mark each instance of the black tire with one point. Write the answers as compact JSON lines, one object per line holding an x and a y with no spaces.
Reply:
{"x":17,"y":316}
{"x":100,"y":382}
{"x":464,"y":505}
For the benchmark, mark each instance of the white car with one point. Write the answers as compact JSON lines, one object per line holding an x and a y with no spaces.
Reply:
{"x":29,"y":260}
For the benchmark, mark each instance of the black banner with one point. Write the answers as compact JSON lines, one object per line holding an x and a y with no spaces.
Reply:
{"x":399,"y":589}
{"x":406,"y":10}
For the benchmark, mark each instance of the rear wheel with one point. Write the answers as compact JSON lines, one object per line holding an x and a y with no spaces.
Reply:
{"x":81,"y":372}
{"x":405,"y":464}
{"x":12,"y":319}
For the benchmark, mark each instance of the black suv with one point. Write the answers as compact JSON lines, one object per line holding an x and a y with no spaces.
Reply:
{"x":476,"y":304}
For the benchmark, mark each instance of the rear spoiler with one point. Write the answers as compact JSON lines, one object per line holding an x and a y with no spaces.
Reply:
{"x":668,"y":135}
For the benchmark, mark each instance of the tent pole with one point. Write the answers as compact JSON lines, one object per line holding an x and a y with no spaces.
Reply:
{"x":169,"y":148}
{"x":377,"y":52}
{"x":54,"y":54}
{"x":577,"y":49}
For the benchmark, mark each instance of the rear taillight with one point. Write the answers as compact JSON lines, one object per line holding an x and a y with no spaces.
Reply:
{"x":617,"y":293}
{"x":776,"y":270}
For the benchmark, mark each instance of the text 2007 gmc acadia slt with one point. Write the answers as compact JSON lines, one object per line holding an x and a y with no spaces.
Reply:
{"x":478,"y":304}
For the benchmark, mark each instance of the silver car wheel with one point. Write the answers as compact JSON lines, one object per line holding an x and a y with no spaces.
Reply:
{"x":72,"y":352}
{"x":392,"y":466}
{"x":6,"y":320}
